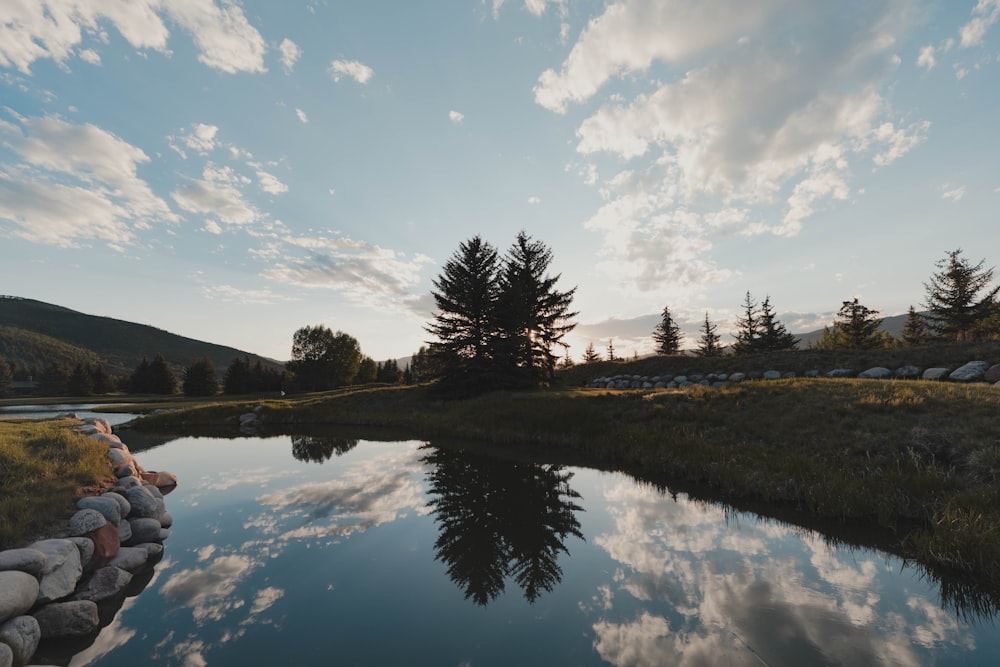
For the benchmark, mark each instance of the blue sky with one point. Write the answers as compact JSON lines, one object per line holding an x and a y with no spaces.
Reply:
{"x":233,"y":171}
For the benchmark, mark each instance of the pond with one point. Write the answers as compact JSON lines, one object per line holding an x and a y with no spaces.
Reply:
{"x":82,"y":410}
{"x":319,"y":550}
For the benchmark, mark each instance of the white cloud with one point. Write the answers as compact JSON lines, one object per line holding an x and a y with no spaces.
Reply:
{"x":356,"y":70}
{"x":54,"y":28}
{"x":76,"y":182}
{"x":201,"y":138}
{"x":90,"y":56}
{"x":303,"y":118}
{"x":230,"y":294}
{"x":290,"y":54}
{"x":270,"y":184}
{"x":953,"y":194}
{"x":534,"y":200}
{"x":984,"y":15}
{"x":217,"y":194}
{"x":456,"y":117}
{"x":927,"y":59}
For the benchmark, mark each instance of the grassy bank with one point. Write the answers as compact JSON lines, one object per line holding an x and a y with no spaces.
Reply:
{"x":43,"y":467}
{"x":896,"y":454}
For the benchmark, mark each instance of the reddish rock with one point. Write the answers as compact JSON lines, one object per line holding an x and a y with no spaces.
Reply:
{"x":106,"y":544}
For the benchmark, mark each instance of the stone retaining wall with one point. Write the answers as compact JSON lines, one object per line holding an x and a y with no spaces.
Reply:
{"x":66,"y":589}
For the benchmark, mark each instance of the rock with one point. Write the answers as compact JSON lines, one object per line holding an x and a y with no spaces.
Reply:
{"x":970,"y":372}
{"x":118,"y":458}
{"x":992,"y":374}
{"x":154,"y":550}
{"x":680,"y":379}
{"x":31,"y":561}
{"x":18,"y":592}
{"x":88,"y":429}
{"x":841,"y":373}
{"x":737,"y":377}
{"x":86,"y":547}
{"x":772,"y":375}
{"x":876,"y":373}
{"x":247,"y":418}
{"x":108,"y":507}
{"x":124,"y":532}
{"x":126,"y":471}
{"x":107,"y":541}
{"x":86,"y":521}
{"x":787,"y":375}
{"x":22,"y":635}
{"x":936,"y":373}
{"x":144,"y":504}
{"x":6,"y":656}
{"x":144,"y":530}
{"x":908,"y":372}
{"x":127,"y":483}
{"x":62,"y":569}
{"x":67,"y":619}
{"x":130,"y":559}
{"x":103,"y":584}
{"x":166,"y":520}
{"x":164,"y":534}
{"x":123,"y":505}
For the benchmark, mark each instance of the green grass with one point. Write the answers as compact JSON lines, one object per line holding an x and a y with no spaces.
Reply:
{"x":920,"y":458}
{"x":43,"y":467}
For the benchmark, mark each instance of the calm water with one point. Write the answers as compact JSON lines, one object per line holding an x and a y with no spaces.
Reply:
{"x":82,"y":410}
{"x":320,"y":551}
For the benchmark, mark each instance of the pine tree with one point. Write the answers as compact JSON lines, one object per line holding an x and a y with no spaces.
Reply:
{"x":611,"y":350}
{"x":6,"y":376}
{"x":953,"y":296}
{"x":590,"y":355}
{"x":708,"y":344}
{"x":857,"y":326}
{"x":161,"y":378}
{"x":200,"y":379}
{"x":747,"y":328}
{"x":773,"y":337}
{"x":80,"y":382}
{"x":667,"y":334}
{"x":915,"y":329}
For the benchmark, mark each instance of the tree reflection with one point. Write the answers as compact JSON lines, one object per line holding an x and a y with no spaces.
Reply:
{"x":317,"y":449}
{"x":500,"y":519}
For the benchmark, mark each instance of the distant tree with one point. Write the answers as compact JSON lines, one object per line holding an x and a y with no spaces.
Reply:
{"x":422,"y":366}
{"x":465,"y":324}
{"x":139,"y":381}
{"x":567,"y":361}
{"x":590,"y":355}
{"x":367,"y":371}
{"x":915,"y":330}
{"x":389,"y":373}
{"x":959,"y":296}
{"x":322,"y":359}
{"x":6,"y":376}
{"x":200,"y":379}
{"x":238,"y":378}
{"x":667,"y":334}
{"x":103,"y":382}
{"x":857,"y":326}
{"x":708,"y":344}
{"x":81,"y":383}
{"x":747,"y":328}
{"x":773,"y":337}
{"x":161,"y":377}
{"x":611,"y":350}
{"x":533,"y":316}
{"x":55,"y":379}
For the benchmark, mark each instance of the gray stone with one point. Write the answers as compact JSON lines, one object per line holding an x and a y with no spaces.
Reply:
{"x":144,"y":530}
{"x":126,"y":471}
{"x":737,"y":377}
{"x":86,"y":547}
{"x":876,"y":373}
{"x":970,"y":372}
{"x":772,"y":375}
{"x":108,"y":507}
{"x":812,"y":373}
{"x":787,"y":375}
{"x":936,"y":373}
{"x":124,"y":532}
{"x":908,"y":372}
{"x":67,"y":619}
{"x":118,"y":458}
{"x":6,"y":656}
{"x":31,"y":561}
{"x":85,"y":521}
{"x":103,"y":584}
{"x":992,"y":374}
{"x":164,"y":534}
{"x":18,"y":592}
{"x":22,"y":635}
{"x":62,"y":569}
{"x":88,"y":429}
{"x":149,"y":486}
{"x":680,"y":379}
{"x":660,"y":384}
{"x":123,"y":505}
{"x":130,"y":559}
{"x":841,"y":373}
{"x":144,"y":504}
{"x":166,"y":520}
{"x":153,"y":550}
{"x":129,"y":482}
{"x":247,"y":418}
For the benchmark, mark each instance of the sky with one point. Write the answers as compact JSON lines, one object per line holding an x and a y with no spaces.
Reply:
{"x":233,"y":171}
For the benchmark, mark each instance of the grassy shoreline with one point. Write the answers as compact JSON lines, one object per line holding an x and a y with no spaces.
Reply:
{"x":918,"y":457}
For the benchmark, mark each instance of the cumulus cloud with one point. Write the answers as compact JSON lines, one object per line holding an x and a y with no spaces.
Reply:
{"x":75,"y":182}
{"x":927,"y":58}
{"x":54,"y":30}
{"x":456,"y":117}
{"x":200,"y":138}
{"x":270,"y":184}
{"x":290,"y":54}
{"x":351,"y":68}
{"x":984,"y":15}
{"x":217,"y":193}
{"x":759,"y":108}
{"x":303,"y":118}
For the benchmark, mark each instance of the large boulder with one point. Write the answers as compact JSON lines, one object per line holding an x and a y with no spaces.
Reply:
{"x":31,"y":561}
{"x":85,"y":521}
{"x":908,"y":372}
{"x":936,"y":373}
{"x":970,"y":372}
{"x":63,"y":568}
{"x":103,"y":584}
{"x":86,"y":547}
{"x":6,"y":656}
{"x":22,"y":635}
{"x":772,"y":375}
{"x":876,"y":373}
{"x":144,"y":503}
{"x":107,"y":541}
{"x":144,"y":530}
{"x":75,"y":618}
{"x":123,"y":505}
{"x":130,"y":559}
{"x":18,"y":592}
{"x":841,"y":373}
{"x":109,"y":508}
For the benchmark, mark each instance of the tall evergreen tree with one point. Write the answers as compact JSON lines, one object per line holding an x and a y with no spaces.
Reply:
{"x":915,"y":329}
{"x":81,"y":383}
{"x":708,"y":344}
{"x":200,"y":378}
{"x":237,"y":379}
{"x":857,"y":326}
{"x":747,"y":328}
{"x":773,"y":336}
{"x":611,"y":350}
{"x":465,"y":325}
{"x":161,"y":378}
{"x":959,"y":296}
{"x":6,"y":376}
{"x":104,"y":383}
{"x":533,"y":316}
{"x":667,"y":334}
{"x":590,"y":355}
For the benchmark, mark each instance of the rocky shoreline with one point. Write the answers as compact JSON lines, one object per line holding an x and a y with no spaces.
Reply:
{"x":973,"y":371}
{"x":63,"y":591}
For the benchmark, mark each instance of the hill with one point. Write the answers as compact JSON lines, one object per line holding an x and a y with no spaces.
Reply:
{"x":892,"y":325}
{"x":31,"y":331}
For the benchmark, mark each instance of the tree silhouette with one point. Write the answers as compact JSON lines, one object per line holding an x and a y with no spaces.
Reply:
{"x":317,"y":449}
{"x":708,"y":344}
{"x":667,"y":334}
{"x":590,"y":355}
{"x":953,"y":296}
{"x":857,"y":326}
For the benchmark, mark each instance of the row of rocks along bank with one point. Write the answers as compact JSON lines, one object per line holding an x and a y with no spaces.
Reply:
{"x":62,"y":591}
{"x":974,"y":371}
